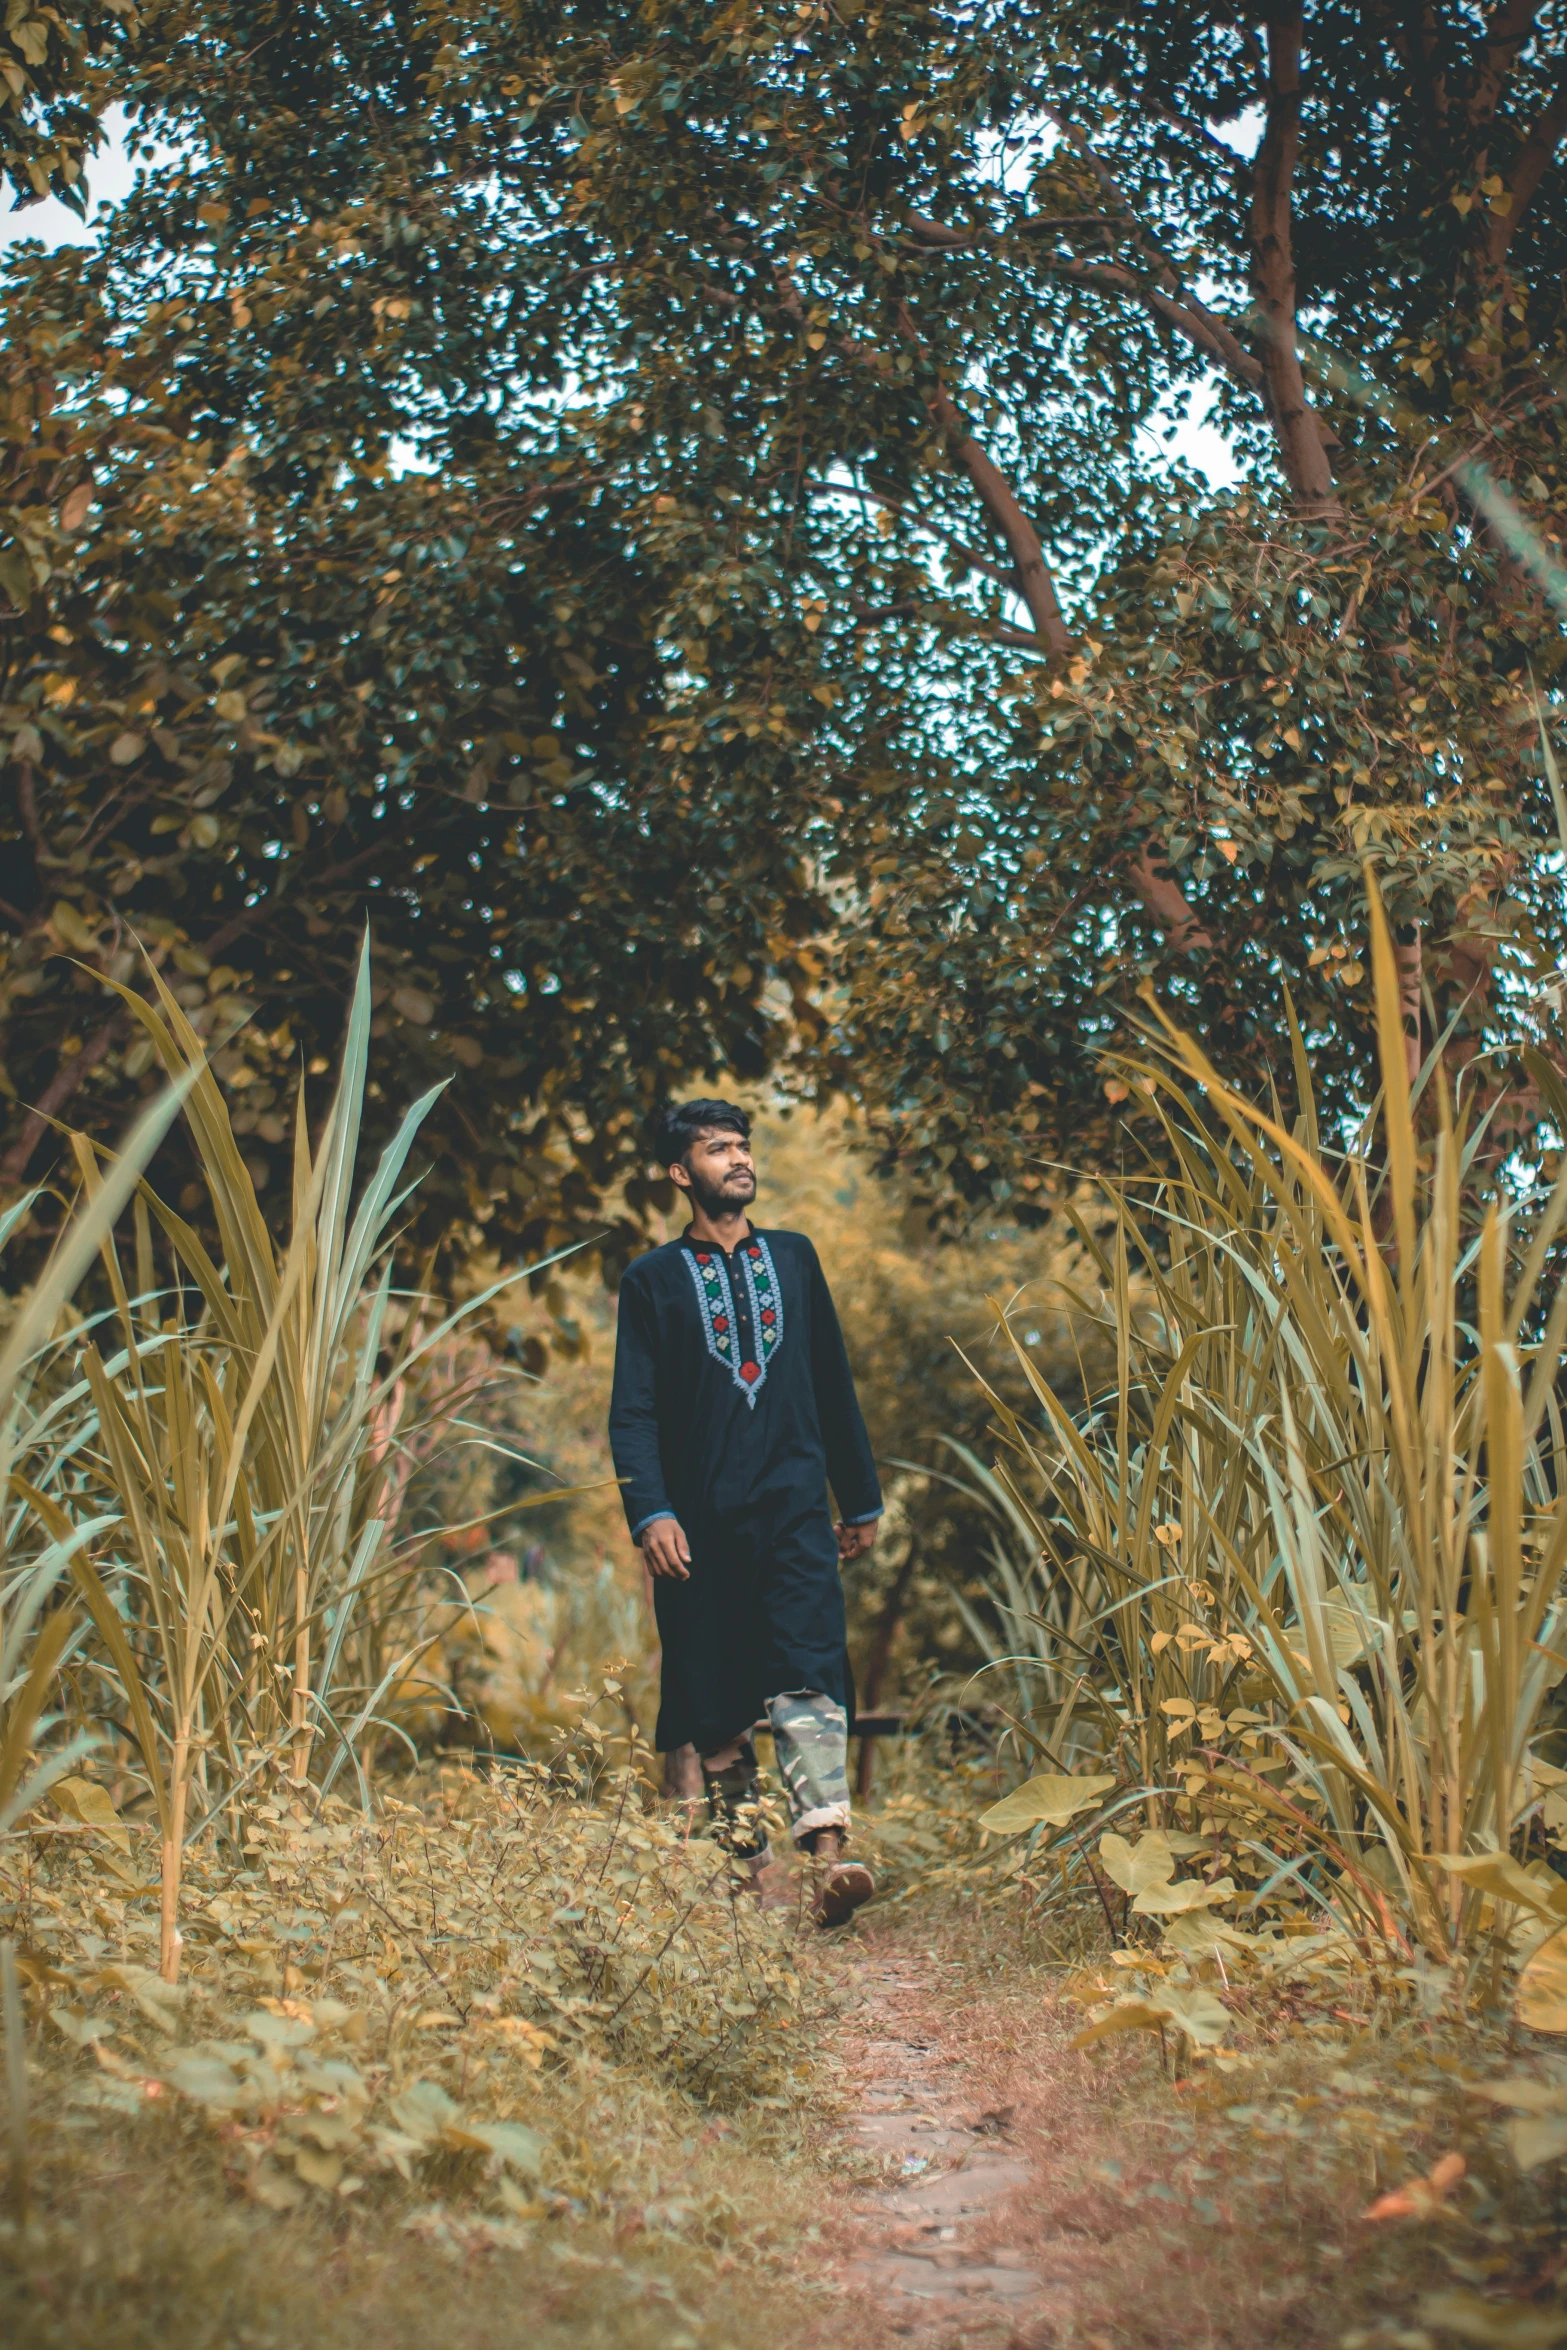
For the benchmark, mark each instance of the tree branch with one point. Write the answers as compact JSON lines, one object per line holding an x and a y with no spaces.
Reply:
{"x":1179,"y":309}
{"x":1505,"y":34}
{"x":1172,"y":302}
{"x":1409,"y":962}
{"x":27,"y":805}
{"x":958,"y":240}
{"x":57,"y":1093}
{"x":1415,"y":41}
{"x":1166,"y":901}
{"x":1034,"y":583}
{"x":1301,"y":439}
{"x":1170,"y":297}
{"x":1106,"y":178}
{"x":68,"y":1076}
{"x":910,"y":514}
{"x":950,"y":622}
{"x":1158,"y":889}
{"x":1184,"y":314}
{"x":1534,"y":161}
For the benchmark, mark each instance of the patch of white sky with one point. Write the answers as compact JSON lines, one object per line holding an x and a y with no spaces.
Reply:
{"x":111,"y":175}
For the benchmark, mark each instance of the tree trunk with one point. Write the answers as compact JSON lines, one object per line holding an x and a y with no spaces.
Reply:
{"x":1303,"y":448}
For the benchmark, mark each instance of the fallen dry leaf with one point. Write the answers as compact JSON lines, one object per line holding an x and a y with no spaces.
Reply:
{"x":1418,"y":2198}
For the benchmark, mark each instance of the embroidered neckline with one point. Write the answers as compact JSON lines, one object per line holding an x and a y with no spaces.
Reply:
{"x":716,"y":1303}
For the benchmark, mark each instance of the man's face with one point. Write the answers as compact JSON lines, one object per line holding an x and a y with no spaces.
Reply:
{"x":719,"y":1173}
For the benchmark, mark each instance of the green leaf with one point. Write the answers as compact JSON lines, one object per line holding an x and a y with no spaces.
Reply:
{"x":1135,"y":1868}
{"x":1047,"y":1800}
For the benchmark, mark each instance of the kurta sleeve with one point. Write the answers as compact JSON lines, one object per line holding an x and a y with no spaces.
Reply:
{"x":850,"y":1467}
{"x":633,"y":1411}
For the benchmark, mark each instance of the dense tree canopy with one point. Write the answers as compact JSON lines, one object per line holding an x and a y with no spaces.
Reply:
{"x":664,"y":510}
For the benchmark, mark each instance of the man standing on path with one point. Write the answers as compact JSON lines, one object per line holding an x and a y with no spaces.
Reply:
{"x":733,"y":1410}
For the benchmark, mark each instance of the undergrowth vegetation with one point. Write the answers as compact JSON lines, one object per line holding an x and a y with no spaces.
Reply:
{"x":513,"y":2015}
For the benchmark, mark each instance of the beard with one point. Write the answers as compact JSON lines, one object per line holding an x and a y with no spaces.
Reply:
{"x":722,"y":1199}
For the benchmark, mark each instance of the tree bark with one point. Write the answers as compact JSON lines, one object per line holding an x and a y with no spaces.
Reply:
{"x":68,"y":1076}
{"x":173,"y":1870}
{"x":1505,"y":34}
{"x":1035,"y":584}
{"x":1298,"y":430}
{"x":1409,"y":960}
{"x":300,"y":1701}
{"x":56,"y":1094}
{"x":1158,"y":891}
{"x":1534,"y":161}
{"x":1166,"y":901}
{"x":1199,"y":326}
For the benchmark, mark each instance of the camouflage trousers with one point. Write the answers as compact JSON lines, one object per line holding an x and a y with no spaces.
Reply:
{"x":811,"y":1742}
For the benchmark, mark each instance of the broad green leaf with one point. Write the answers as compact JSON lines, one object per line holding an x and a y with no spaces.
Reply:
{"x":1349,"y":1634}
{"x":520,"y":2148}
{"x":77,"y":2027}
{"x":1158,"y":1901}
{"x":1127,"y":2015}
{"x":1200,"y":2013}
{"x":1504,"y":1879}
{"x":1195,"y":1933}
{"x":207,"y":2080}
{"x":1523,"y":2094}
{"x":1495,"y":2325}
{"x":1049,"y":1801}
{"x":158,"y":2000}
{"x":317,"y":2168}
{"x":86,"y":1801}
{"x":1536,"y":2138}
{"x":1542,"y":1987}
{"x":1136,"y":1868}
{"x":424,"y":2110}
{"x":1189,"y":2009}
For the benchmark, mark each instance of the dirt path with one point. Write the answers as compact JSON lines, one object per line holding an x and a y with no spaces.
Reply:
{"x":927,"y":2256}
{"x":1023,"y":2196}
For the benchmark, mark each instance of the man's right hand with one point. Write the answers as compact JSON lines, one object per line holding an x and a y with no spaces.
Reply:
{"x":666,"y":1549}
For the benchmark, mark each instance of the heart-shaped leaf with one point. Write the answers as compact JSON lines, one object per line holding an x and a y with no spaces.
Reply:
{"x":1048,"y":1800}
{"x":1542,"y":1987}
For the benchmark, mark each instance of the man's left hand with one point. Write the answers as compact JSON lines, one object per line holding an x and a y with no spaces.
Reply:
{"x":855,"y":1541}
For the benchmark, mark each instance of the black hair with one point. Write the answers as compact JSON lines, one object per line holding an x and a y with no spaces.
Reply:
{"x":678,"y":1124}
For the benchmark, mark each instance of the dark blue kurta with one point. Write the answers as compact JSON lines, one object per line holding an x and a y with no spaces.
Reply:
{"x":733,"y":1408}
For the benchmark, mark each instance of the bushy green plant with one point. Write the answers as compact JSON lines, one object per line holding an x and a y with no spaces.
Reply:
{"x":219,"y":1455}
{"x":1305,"y":1556}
